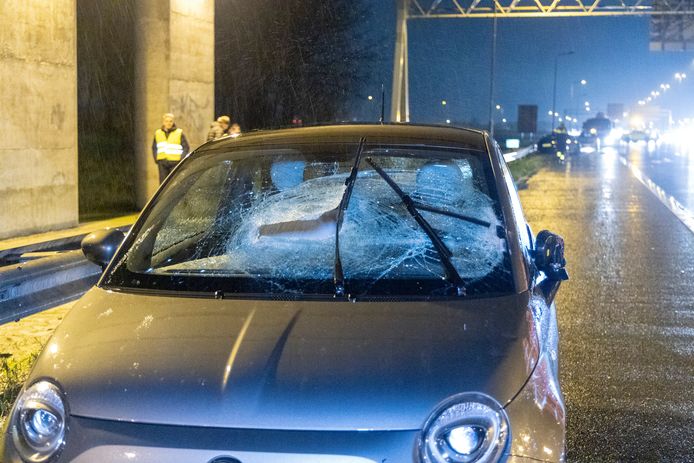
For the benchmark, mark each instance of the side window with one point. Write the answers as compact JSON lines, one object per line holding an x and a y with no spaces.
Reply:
{"x":518,"y":216}
{"x":195,"y":212}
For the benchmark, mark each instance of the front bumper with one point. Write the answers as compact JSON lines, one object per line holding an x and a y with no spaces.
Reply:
{"x":91,"y":440}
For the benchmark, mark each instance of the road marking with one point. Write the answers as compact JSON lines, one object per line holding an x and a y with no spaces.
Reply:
{"x":681,"y":212}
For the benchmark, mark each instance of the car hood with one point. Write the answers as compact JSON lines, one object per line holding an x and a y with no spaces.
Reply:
{"x":284,"y":364}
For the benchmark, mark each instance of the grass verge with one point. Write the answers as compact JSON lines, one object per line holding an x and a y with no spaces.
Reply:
{"x":13,"y":373}
{"x":526,"y":167}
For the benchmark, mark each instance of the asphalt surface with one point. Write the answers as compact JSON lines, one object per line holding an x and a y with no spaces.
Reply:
{"x":626,"y":316}
{"x":671,"y":167}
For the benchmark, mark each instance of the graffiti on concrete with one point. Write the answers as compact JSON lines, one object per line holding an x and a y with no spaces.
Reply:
{"x":57,"y":116}
{"x":193,"y":115}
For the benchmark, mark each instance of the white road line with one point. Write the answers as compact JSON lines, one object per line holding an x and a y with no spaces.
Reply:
{"x":681,"y":212}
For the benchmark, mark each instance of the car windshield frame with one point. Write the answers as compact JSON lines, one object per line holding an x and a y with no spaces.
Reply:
{"x":118,"y":277}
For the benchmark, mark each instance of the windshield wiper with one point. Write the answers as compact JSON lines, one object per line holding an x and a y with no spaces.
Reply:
{"x":444,"y":253}
{"x":438,"y":210}
{"x":338,"y":274}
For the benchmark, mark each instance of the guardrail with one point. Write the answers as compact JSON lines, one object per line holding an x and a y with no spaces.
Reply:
{"x":41,"y":274}
{"x":13,"y":254}
{"x":36,"y":285}
{"x":521,"y":153}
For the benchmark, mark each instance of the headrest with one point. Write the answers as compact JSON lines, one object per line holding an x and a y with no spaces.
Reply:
{"x":286,"y":174}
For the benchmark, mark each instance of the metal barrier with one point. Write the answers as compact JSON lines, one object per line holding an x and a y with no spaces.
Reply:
{"x":521,"y":153}
{"x":48,"y":271}
{"x":40,"y":284}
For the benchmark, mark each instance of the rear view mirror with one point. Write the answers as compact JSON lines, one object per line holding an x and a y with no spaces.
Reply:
{"x":549,"y":255}
{"x":100,"y":246}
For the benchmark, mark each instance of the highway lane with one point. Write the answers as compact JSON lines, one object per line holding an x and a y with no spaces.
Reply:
{"x":670,"y":167}
{"x":626,"y":316}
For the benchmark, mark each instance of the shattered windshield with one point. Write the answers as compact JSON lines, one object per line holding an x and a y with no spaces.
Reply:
{"x":418,"y":221}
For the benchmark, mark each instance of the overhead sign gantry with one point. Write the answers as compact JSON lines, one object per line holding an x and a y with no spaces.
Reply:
{"x":667,"y":15}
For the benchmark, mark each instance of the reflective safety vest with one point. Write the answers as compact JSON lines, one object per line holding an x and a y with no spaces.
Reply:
{"x":169,"y":148}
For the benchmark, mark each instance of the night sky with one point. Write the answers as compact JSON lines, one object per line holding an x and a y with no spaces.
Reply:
{"x":450,"y":59}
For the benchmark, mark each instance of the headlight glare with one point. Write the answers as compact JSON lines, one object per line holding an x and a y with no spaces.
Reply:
{"x":465,"y":440}
{"x":39,"y":422}
{"x":467,"y":428}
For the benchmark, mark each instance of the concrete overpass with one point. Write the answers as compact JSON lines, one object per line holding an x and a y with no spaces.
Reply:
{"x":174,"y":72}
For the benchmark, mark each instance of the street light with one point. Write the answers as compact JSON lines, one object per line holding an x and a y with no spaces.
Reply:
{"x":500,"y":110}
{"x":581,"y":84}
{"x":444,"y":112}
{"x":554,"y":93}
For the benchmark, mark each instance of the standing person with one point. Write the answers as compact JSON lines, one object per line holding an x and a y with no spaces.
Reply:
{"x":224,"y":122}
{"x":169,"y":146}
{"x":219,"y":128}
{"x":215,"y":131}
{"x":235,"y":130}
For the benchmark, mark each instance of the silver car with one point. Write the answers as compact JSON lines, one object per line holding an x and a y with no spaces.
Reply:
{"x":340,"y":294}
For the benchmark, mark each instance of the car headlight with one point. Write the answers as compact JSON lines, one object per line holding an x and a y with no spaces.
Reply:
{"x":467,"y":428}
{"x":39,"y":422}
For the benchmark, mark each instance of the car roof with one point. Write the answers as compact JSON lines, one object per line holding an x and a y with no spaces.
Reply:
{"x":392,"y":133}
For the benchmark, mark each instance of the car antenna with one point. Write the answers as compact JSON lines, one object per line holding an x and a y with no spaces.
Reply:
{"x":383,"y":103}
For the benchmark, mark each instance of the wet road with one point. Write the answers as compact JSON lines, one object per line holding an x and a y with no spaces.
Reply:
{"x":669,"y":166}
{"x":626,"y":316}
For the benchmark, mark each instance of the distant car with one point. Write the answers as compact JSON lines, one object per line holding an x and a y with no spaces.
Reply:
{"x":558,"y":143}
{"x":341,"y":294}
{"x":636,"y":136}
{"x":596,"y":130}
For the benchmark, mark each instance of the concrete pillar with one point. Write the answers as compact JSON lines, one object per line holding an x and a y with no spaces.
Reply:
{"x":174,"y":72}
{"x":38,"y":125}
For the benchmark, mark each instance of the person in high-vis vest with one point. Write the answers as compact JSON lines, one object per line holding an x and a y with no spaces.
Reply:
{"x":169,"y":146}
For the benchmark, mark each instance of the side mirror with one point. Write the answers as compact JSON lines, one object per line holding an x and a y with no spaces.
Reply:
{"x":549,"y":256}
{"x":100,"y":246}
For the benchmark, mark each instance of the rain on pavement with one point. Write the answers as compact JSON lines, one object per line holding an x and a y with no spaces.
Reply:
{"x":626,"y":316}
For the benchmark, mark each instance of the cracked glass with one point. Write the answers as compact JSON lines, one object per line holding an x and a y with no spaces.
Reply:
{"x":263,"y":221}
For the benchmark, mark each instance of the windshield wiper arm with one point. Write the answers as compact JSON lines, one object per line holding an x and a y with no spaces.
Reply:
{"x":444,"y":253}
{"x":338,"y":274}
{"x":438,"y":210}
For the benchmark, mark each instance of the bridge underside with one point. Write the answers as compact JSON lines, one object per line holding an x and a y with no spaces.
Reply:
{"x":174,"y":72}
